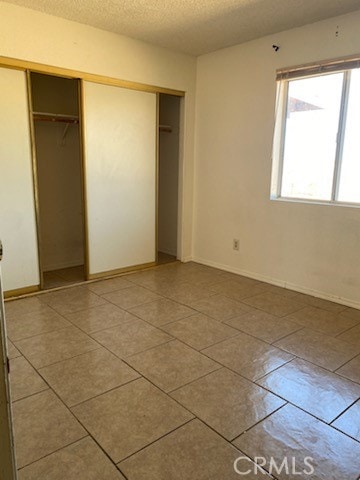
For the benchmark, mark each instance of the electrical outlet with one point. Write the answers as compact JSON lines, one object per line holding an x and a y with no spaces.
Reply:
{"x":236,"y":243}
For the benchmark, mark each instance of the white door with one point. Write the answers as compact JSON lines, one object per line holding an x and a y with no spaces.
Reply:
{"x":120,"y":158}
{"x":17,"y":213}
{"x":7,"y":457}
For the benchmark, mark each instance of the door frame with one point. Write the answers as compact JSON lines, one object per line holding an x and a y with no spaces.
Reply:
{"x":7,"y":453}
{"x":35,"y":173}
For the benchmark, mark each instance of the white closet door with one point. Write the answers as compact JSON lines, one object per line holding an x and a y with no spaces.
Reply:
{"x":17,"y":209}
{"x":120,"y":156}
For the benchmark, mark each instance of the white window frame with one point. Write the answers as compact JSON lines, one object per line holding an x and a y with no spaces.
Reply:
{"x":284,"y":76}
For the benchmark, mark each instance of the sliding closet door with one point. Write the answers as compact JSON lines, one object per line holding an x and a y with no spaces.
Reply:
{"x":120,"y":156}
{"x":17,"y":209}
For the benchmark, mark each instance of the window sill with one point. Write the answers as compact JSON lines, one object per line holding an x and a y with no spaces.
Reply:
{"x":315,"y":202}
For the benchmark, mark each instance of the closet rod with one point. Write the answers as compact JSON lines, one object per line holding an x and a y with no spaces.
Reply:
{"x":54,"y":117}
{"x":165,"y":128}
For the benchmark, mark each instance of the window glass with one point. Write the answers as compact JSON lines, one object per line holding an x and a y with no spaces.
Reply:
{"x":349,"y":189}
{"x":312,"y":119}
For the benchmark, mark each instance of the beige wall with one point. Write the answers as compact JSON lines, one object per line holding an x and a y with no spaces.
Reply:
{"x":309,"y":247}
{"x":34,"y":36}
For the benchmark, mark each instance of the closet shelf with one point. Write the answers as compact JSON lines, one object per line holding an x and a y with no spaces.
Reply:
{"x":165,"y":128}
{"x":54,"y":117}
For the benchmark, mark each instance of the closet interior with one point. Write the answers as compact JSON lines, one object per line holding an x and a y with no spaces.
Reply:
{"x":168,"y":178}
{"x":58,"y":179}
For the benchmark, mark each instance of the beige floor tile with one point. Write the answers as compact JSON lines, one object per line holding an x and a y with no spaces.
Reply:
{"x":203,"y":278}
{"x":351,"y":370}
{"x":263,"y":325}
{"x":285,"y":292}
{"x":318,"y":348}
{"x":71,"y":300}
{"x":320,"y":303}
{"x":193,"y":451}
{"x":127,"y":419}
{"x":322,"y":321}
{"x":199,"y":331}
{"x":131,"y":297}
{"x":162,"y":311}
{"x":99,"y":318}
{"x":274,"y":304}
{"x":187,"y":293}
{"x":160,"y":284}
{"x":230,"y":281}
{"x":52,"y":347}
{"x":72,"y":273}
{"x":29,"y":324}
{"x":349,"y":422}
{"x":317,"y":391}
{"x":86,"y":376}
{"x":227,"y":402}
{"x":150,"y":279}
{"x":239,"y":291}
{"x":12,"y":351}
{"x":131,"y":337}
{"x":24,"y":380}
{"x":290,"y":433}
{"x":51,"y":280}
{"x":24,"y":305}
{"x":42,"y":425}
{"x":351,"y":336}
{"x":353,"y":313}
{"x":82,"y":460}
{"x":248,"y":356}
{"x":220,"y":308}
{"x":172,"y":365}
{"x":111,"y":285}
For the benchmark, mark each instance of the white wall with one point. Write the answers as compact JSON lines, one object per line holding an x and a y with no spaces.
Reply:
{"x":34,"y":36}
{"x":17,"y":210}
{"x":169,"y":114}
{"x":309,"y":247}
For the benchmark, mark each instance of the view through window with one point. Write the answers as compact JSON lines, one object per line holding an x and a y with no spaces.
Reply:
{"x":320,"y":144}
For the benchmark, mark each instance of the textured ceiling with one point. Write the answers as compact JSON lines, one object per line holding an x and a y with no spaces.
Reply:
{"x":193,"y":26}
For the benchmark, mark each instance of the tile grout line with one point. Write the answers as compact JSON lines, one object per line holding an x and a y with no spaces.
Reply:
{"x":168,"y":393}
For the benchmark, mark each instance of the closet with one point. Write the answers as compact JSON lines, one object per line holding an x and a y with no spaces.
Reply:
{"x":168,"y":178}
{"x":58,"y":179}
{"x":89,"y":177}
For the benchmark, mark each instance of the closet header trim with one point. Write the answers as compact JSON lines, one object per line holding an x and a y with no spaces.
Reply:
{"x":18,"y":64}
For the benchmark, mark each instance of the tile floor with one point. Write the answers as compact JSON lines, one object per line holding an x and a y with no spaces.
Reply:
{"x":174,"y":372}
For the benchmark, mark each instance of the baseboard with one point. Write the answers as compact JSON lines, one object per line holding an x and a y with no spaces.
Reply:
{"x":279,"y":283}
{"x":118,"y":271}
{"x":17,"y":292}
{"x":187,"y":259}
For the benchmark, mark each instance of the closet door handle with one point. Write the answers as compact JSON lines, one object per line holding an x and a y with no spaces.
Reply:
{"x":1,"y":250}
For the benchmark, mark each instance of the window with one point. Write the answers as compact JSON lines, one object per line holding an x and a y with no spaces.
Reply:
{"x":317,"y":134}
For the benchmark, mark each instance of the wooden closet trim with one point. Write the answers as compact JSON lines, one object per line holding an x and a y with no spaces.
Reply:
{"x":18,"y":64}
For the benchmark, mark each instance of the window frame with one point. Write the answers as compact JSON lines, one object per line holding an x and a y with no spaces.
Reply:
{"x":284,"y":77}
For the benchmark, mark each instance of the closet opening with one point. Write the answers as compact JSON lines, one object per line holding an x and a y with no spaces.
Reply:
{"x":168,"y":178}
{"x":58,"y":179}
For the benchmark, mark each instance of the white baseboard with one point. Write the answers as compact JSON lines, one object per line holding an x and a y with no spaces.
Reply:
{"x":187,"y":259}
{"x":279,"y":283}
